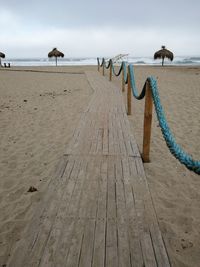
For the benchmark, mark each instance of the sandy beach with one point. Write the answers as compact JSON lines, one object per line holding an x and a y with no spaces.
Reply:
{"x":40,"y":108}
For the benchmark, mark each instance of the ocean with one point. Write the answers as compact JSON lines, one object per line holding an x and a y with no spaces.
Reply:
{"x":180,"y":61}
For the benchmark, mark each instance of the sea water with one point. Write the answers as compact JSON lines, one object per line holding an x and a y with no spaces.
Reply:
{"x":73,"y":61}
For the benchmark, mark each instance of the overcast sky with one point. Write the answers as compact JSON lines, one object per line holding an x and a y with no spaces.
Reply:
{"x":90,"y":28}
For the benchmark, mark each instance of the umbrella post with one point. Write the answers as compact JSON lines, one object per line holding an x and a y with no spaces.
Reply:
{"x":56,"y":61}
{"x":162,"y":61}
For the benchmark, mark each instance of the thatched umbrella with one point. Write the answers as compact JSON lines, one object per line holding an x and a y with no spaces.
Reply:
{"x":164,"y":53}
{"x":55,"y":53}
{"x":2,"y":55}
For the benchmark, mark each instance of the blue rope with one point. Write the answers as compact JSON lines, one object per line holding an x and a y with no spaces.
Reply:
{"x":174,"y":148}
{"x":133,"y":86}
{"x":122,"y":67}
{"x":119,"y":72}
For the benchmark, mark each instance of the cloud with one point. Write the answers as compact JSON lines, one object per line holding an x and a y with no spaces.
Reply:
{"x":8,"y":20}
{"x":129,"y":13}
{"x":95,"y":28}
{"x":94,"y":42}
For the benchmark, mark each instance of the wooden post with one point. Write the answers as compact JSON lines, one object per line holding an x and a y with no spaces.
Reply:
{"x":129,"y":95}
{"x":123,"y":83}
{"x":110,"y":70}
{"x":98,"y":66}
{"x":147,"y":124}
{"x":103,"y":67}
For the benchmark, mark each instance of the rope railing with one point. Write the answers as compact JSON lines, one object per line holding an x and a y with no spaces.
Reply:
{"x":151,"y":94}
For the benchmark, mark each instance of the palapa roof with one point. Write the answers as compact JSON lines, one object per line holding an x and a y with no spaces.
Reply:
{"x":164,"y":53}
{"x":55,"y":53}
{"x":2,"y":55}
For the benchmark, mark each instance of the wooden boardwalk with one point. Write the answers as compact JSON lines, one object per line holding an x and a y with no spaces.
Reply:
{"x":97,"y":210}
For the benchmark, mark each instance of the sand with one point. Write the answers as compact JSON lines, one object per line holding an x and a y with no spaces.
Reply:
{"x":39,"y":111}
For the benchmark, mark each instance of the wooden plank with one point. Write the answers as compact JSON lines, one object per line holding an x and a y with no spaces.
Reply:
{"x":111,"y":258}
{"x":98,"y":210}
{"x":86,"y":191}
{"x":99,"y":243}
{"x":156,"y":236}
{"x":110,"y":135}
{"x":76,"y":135}
{"x":73,"y":256}
{"x":100,"y":227}
{"x":105,"y":135}
{"x":86,"y":255}
{"x":111,"y":190}
{"x":122,"y":220}
{"x":111,"y":225}
{"x":100,"y":141}
{"x":133,"y":224}
{"x":38,"y":229}
{"x":143,"y":227}
{"x":77,"y":192}
{"x":92,"y":189}
{"x":42,"y":237}
{"x":129,"y":94}
{"x":152,"y":242}
{"x":79,"y":217}
{"x":64,"y":242}
{"x":126,"y":135}
{"x":121,"y":137}
{"x":115,"y":135}
{"x":59,"y":227}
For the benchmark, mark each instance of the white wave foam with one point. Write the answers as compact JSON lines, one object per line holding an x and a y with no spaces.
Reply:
{"x":195,"y":60}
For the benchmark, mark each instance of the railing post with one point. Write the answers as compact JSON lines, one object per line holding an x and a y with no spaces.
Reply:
{"x":98,"y":66}
{"x":123,"y":82}
{"x":147,"y":124}
{"x":110,"y":70}
{"x":103,"y":67}
{"x":129,"y":95}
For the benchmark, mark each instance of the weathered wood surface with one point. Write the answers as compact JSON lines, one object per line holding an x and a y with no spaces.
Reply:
{"x":97,"y":210}
{"x":147,"y":124}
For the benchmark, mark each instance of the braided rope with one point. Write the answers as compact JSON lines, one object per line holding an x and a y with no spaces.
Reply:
{"x":133,"y":86}
{"x":119,"y":72}
{"x":174,"y":148}
{"x":122,"y":67}
{"x":102,"y":62}
{"x":109,"y":63}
